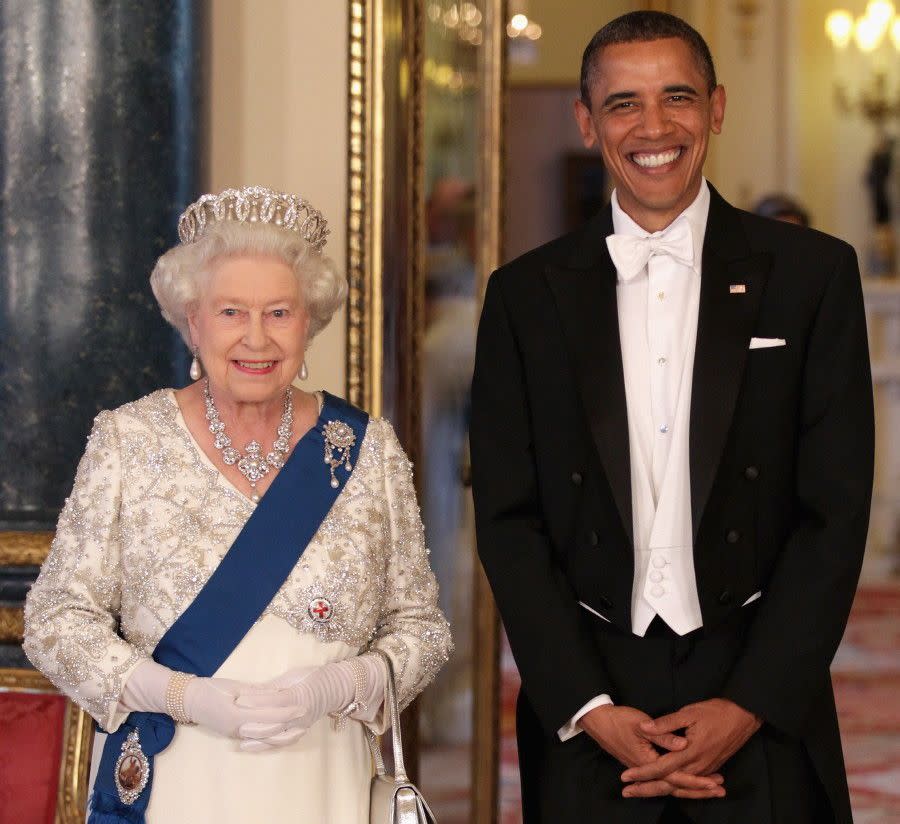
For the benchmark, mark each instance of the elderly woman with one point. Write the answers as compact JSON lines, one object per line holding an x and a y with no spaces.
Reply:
{"x":216,"y":590}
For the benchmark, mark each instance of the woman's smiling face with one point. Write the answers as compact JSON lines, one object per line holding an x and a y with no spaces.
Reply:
{"x":250,"y":325}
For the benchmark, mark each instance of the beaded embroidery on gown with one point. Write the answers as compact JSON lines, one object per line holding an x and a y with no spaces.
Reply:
{"x":148,"y":521}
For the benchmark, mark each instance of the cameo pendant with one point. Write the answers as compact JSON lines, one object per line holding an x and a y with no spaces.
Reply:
{"x":132,"y":769}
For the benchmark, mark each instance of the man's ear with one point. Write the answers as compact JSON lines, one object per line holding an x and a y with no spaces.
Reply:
{"x":717,"y":109}
{"x":585,"y":124}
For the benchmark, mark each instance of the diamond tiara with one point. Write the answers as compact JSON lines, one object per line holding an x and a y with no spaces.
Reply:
{"x":254,"y":204}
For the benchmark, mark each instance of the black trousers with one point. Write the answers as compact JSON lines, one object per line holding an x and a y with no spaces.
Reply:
{"x":768,"y":781}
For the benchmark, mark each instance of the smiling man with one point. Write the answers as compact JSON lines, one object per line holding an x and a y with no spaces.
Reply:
{"x":672,"y":449}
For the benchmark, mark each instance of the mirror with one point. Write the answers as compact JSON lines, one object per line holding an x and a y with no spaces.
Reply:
{"x":425,"y":121}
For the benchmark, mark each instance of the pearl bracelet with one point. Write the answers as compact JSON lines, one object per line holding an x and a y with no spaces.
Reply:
{"x":360,"y":682}
{"x":175,"y":697}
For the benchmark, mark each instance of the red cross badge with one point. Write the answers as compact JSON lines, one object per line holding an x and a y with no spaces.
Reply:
{"x":320,"y":610}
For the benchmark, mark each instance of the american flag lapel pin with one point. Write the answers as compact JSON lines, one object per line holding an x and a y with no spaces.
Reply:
{"x":737,"y":289}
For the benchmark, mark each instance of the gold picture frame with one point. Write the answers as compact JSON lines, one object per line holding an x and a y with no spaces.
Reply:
{"x":385,"y":255}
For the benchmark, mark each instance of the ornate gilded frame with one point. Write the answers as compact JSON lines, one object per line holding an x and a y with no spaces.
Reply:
{"x":30,"y":549}
{"x":384,"y":201}
{"x":385,"y":254}
{"x":18,"y":549}
{"x":24,"y":548}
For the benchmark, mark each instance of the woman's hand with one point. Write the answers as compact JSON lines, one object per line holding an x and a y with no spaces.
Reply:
{"x":311,"y":693}
{"x":278,"y":692}
{"x":212,"y":703}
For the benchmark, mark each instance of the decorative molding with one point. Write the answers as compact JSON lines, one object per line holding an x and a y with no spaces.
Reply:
{"x":78,"y":738}
{"x":410,"y":400}
{"x":364,"y":203}
{"x":24,"y":680}
{"x":747,"y":12}
{"x":491,"y":166}
{"x":492,"y":162}
{"x":12,"y":625}
{"x":24,"y":548}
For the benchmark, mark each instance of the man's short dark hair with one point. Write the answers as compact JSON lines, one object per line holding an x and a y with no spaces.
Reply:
{"x":642,"y":26}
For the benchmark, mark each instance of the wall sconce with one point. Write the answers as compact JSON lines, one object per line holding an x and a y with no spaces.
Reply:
{"x":522,"y":34}
{"x":875,"y":36}
{"x":520,"y":25}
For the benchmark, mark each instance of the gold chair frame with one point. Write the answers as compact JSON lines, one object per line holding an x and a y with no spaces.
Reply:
{"x":30,"y":549}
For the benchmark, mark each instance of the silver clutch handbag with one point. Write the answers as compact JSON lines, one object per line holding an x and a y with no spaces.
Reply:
{"x":394,"y":798}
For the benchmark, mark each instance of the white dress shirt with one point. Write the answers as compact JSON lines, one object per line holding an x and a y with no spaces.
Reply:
{"x":658,"y":310}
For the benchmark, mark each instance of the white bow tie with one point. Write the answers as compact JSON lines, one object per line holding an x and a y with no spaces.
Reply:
{"x":630,"y":253}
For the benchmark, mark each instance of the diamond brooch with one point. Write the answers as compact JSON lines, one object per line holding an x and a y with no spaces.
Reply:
{"x":339,"y":438}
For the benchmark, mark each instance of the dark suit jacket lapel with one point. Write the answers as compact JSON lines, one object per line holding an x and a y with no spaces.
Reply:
{"x":724,"y":330}
{"x":585,"y":294}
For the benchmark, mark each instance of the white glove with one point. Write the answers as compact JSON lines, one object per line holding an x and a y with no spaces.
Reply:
{"x":145,"y":689}
{"x":312,"y":693}
{"x":209,"y":702}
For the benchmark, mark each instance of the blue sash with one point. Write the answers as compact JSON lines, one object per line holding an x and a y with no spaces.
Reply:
{"x":238,"y":592}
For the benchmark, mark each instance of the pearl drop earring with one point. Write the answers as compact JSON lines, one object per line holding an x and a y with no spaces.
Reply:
{"x":195,"y":372}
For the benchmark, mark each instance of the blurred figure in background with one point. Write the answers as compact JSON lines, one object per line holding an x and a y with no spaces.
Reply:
{"x":448,"y":352}
{"x":781,"y":207}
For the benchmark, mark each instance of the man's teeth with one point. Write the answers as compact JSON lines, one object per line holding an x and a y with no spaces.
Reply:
{"x":256,"y":364}
{"x":650,"y":161}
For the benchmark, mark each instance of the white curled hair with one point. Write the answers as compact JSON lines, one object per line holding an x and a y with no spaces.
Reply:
{"x":180,"y":275}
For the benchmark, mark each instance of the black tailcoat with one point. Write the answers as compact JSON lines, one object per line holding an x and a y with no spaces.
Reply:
{"x":781,"y":462}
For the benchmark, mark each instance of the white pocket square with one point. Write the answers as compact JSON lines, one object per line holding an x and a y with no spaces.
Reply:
{"x":594,"y":612}
{"x":766,"y":343}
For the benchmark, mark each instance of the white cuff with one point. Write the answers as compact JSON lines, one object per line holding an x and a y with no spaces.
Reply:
{"x":571,"y":728}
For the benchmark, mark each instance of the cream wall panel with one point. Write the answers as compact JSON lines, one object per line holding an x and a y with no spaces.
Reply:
{"x":277,"y":116}
{"x":747,"y":160}
{"x":568,"y":26}
{"x":783,"y":130}
{"x":834,"y":147}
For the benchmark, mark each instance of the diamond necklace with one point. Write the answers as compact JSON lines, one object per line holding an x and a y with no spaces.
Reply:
{"x":251,"y":464}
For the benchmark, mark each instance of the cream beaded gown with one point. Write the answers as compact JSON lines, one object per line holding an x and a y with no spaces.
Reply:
{"x":147,"y":523}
